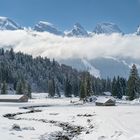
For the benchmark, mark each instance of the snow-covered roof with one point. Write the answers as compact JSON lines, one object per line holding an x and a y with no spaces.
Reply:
{"x":103,"y":99}
{"x":10,"y":96}
{"x":107,"y":93}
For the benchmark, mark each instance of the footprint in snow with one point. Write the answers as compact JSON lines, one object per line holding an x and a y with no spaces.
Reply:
{"x":116,"y":134}
{"x":102,"y":138}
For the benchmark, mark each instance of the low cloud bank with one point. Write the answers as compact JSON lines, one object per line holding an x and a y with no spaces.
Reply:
{"x":52,"y":46}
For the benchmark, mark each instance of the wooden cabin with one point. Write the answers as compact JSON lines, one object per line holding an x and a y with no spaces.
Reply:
{"x":13,"y":98}
{"x":107,"y":93}
{"x":103,"y":101}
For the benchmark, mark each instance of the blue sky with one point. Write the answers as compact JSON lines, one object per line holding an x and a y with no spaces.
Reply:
{"x":64,"y":13}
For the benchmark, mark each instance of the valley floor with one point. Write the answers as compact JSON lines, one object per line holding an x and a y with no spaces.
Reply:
{"x":60,"y":119}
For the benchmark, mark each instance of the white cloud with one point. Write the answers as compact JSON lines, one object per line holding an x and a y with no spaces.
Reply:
{"x":52,"y":46}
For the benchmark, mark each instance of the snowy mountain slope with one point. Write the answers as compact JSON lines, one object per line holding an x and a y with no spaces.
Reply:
{"x":106,"y":28}
{"x":78,"y":31}
{"x":8,"y":24}
{"x":101,"y":67}
{"x":110,"y":67}
{"x":91,"y":68}
{"x":43,"y":26}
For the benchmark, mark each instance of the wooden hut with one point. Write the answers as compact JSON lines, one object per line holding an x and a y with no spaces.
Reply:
{"x":103,"y":101}
{"x":107,"y":93}
{"x":13,"y":98}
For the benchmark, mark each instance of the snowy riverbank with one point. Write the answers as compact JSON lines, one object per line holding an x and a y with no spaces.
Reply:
{"x":99,"y":123}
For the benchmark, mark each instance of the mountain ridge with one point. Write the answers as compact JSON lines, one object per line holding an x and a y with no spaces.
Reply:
{"x":8,"y":24}
{"x":78,"y":30}
{"x":43,"y":26}
{"x":107,"y":28}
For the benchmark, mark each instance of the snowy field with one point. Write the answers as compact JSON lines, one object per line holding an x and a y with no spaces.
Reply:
{"x":59,"y":118}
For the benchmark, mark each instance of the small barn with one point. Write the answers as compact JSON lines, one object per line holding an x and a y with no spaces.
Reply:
{"x":103,"y":101}
{"x":13,"y":98}
{"x":107,"y":93}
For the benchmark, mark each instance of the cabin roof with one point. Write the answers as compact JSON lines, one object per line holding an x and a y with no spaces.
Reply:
{"x":11,"y":96}
{"x":107,"y":93}
{"x":104,"y":100}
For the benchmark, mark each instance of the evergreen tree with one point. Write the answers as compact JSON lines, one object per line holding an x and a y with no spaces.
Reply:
{"x":20,"y":88}
{"x":57,"y":91}
{"x":88,"y":88}
{"x":133,"y":84}
{"x":68,"y":88}
{"x":24,"y":86}
{"x":114,"y":87}
{"x":12,"y":55}
{"x":119,"y":88}
{"x":75,"y":86}
{"x":82,"y":91}
{"x":29,"y":91}
{"x":51,"y":88}
{"x":108,"y":85}
{"x":75,"y":89}
{"x":1,"y":51}
{"x":4,"y":88}
{"x":123,"y":85}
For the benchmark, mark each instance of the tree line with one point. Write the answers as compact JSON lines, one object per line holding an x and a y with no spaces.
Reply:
{"x":24,"y":74}
{"x":118,"y":86}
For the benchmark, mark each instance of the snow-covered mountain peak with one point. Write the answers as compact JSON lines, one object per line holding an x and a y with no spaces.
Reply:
{"x":138,"y":30}
{"x":78,"y":26}
{"x":3,"y":18}
{"x":8,"y":24}
{"x":78,"y":31}
{"x":43,"y":26}
{"x":107,"y":28}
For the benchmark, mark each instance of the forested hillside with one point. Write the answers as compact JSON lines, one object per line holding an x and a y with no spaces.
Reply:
{"x":44,"y":75}
{"x":22,"y":73}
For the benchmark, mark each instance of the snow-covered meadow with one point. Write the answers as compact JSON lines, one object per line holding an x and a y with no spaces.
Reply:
{"x":67,"y":116}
